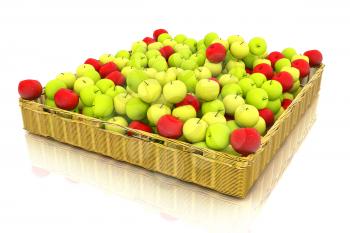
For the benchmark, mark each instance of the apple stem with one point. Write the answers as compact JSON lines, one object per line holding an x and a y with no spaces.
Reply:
{"x":161,"y":105}
{"x":146,"y":83}
{"x":126,"y":94}
{"x":216,"y":114}
{"x":198,"y":121}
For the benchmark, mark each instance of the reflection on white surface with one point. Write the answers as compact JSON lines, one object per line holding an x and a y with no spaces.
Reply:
{"x":172,"y":198}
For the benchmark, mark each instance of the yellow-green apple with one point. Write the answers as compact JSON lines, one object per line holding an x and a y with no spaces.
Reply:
{"x":149,"y":90}
{"x":174,"y":91}
{"x":213,"y":106}
{"x":53,"y":86}
{"x":257,"y":97}
{"x":68,"y":78}
{"x":207,"y":89}
{"x":116,"y":123}
{"x":217,"y":136}
{"x":102,"y":106}
{"x":239,"y":50}
{"x":273,"y":88}
{"x":120,"y":101}
{"x":231,"y":88}
{"x":202,"y":72}
{"x":104,"y":85}
{"x":156,"y":111}
{"x":136,"y":109}
{"x":232,"y":102}
{"x":184,"y":112}
{"x":246,"y":115}
{"x":214,"y":117}
{"x":88,"y":94}
{"x":194,"y":130}
{"x":188,"y":77}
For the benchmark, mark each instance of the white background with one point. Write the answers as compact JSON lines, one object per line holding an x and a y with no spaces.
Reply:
{"x":39,"y":39}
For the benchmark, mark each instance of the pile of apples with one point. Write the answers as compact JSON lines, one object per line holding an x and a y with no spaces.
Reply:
{"x":213,"y":93}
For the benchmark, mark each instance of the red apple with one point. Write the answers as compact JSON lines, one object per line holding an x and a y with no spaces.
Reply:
{"x":265,"y":69}
{"x":107,"y":68}
{"x":303,"y":67}
{"x":139,"y":125}
{"x":190,"y":100}
{"x":117,"y":78}
{"x":285,"y":103}
{"x":148,"y":40}
{"x":267,"y":115}
{"x":158,"y":32}
{"x":245,"y":140}
{"x":30,"y":89}
{"x":170,"y":126}
{"x":285,"y":79}
{"x":95,"y":63}
{"x":167,"y":51}
{"x":66,"y":99}
{"x":216,"y":53}
{"x":274,"y":56}
{"x":315,"y":57}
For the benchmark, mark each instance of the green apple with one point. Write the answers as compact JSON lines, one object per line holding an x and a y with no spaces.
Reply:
{"x":175,"y":60}
{"x":114,"y":91}
{"x":158,"y":63}
{"x":53,"y":86}
{"x":232,"y":125}
{"x":202,"y":72}
{"x":136,"y":109}
{"x":88,"y":111}
{"x":50,"y":103}
{"x":260,"y":126}
{"x":257,"y":46}
{"x":214,"y":117}
{"x":207,"y":89}
{"x":249,"y":60}
{"x":88,"y":94}
{"x":126,"y":70}
{"x":139,"y":46}
{"x":131,"y":92}
{"x":300,"y":56}
{"x":295,"y":93}
{"x":123,"y":54}
{"x":246,"y":115}
{"x":155,"y":46}
{"x":134,"y":78}
{"x":246,"y":85}
{"x":213,"y":106}
{"x":180,"y":38}
{"x":156,"y":111}
{"x":162,"y":37}
{"x":280,"y":63}
{"x":295,"y":86}
{"x":217,"y":136}
{"x":239,"y":72}
{"x":138,"y":60}
{"x":188,"y":77}
{"x":102,"y":106}
{"x":292,"y":71}
{"x":120,"y":101}
{"x":231,"y":151}
{"x":257,"y":97}
{"x":68,"y":78}
{"x":82,"y":82}
{"x":239,"y":50}
{"x":169,"y":42}
{"x":162,"y":100}
{"x":273,"y":88}
{"x":200,"y":145}
{"x":232,"y":64}
{"x":232,"y":102}
{"x":235,"y":38}
{"x":227,"y":79}
{"x":287,"y":95}
{"x":104,"y":58}
{"x":184,"y":112}
{"x":274,"y":105}
{"x":279,"y":113}
{"x":195,"y":130}
{"x":198,"y":58}
{"x":231,"y":88}
{"x":188,"y":64}
{"x":289,"y":53}
{"x":121,"y":62}
{"x":151,"y":72}
{"x":164,"y":77}
{"x":174,"y":91}
{"x":152,"y":53}
{"x":192,"y":44}
{"x":149,"y":90}
{"x":179,"y":47}
{"x":116,"y":121}
{"x":215,"y":68}
{"x":104,"y":85}
{"x":208,"y":38}
{"x":258,"y":79}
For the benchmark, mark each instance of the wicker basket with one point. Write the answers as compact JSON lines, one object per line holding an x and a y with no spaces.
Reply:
{"x":219,"y":171}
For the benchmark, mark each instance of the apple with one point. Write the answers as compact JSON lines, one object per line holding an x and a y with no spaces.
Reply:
{"x":184,"y":112}
{"x":170,"y":127}
{"x":158,"y":32}
{"x":50,"y":103}
{"x":166,"y":51}
{"x":246,"y":115}
{"x":107,"y":68}
{"x":265,"y":69}
{"x":165,"y":77}
{"x":121,"y":62}
{"x":287,"y":95}
{"x":295,"y":86}
{"x":274,"y":105}
{"x":80,"y":83}
{"x":198,"y":58}
{"x":315,"y":57}
{"x":156,"y":111}
{"x":175,"y":60}
{"x":227,"y":79}
{"x":257,"y":46}
{"x":210,"y":37}
{"x":214,"y":117}
{"x":257,"y":97}
{"x":239,"y":72}
{"x":249,"y":60}
{"x":136,"y":109}
{"x":292,"y":71}
{"x":300,"y":56}
{"x":68,"y":78}
{"x":149,"y":90}
{"x":139,"y":46}
{"x":102,"y":106}
{"x":150,"y":72}
{"x":122,"y":53}
{"x":180,"y":38}
{"x":215,"y":68}
{"x":289,"y":53}
{"x":217,"y":136}
{"x":200,"y":145}
{"x":245,"y":141}
{"x":174,"y":91}
{"x":88,"y":111}
{"x":230,"y":64}
{"x":258,"y":79}
{"x":274,"y":56}
{"x":134,"y":78}
{"x":213,"y":106}
{"x":138,"y":60}
{"x":235,"y":38}
{"x":94,"y":62}
{"x":152,"y":53}
{"x":117,"y":78}
{"x":207,"y":89}
{"x":268,"y":116}
{"x":260,"y":126}
{"x":88,"y":94}
{"x":302,"y":66}
{"x":104,"y":85}
{"x":285,"y":79}
{"x":232,"y":102}
{"x":82,"y":69}
{"x":273,"y":88}
{"x":120,"y":101}
{"x":188,"y":77}
{"x":202,"y":73}
{"x":194,"y":130}
{"x":279,"y":113}
{"x":285,"y":103}
{"x":115,"y":90}
{"x":190,"y":99}
{"x":159,"y":63}
{"x":52,"y":87}
{"x":126,"y":70}
{"x":162,"y":37}
{"x":246,"y":85}
{"x":283,"y":62}
{"x":232,"y":125}
{"x":66,"y":99}
{"x":239,"y":50}
{"x":191,"y":43}
{"x":116,"y":123}
{"x":216,"y":53}
{"x":260,"y":61}
{"x":155,"y":46}
{"x":105,"y":58}
{"x":30,"y":89}
{"x":188,"y":64}
{"x":139,"y":125}
{"x":148,"y":40}
{"x":231,"y":88}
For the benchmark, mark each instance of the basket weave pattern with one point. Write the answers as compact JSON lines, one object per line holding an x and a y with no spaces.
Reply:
{"x":215,"y":170}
